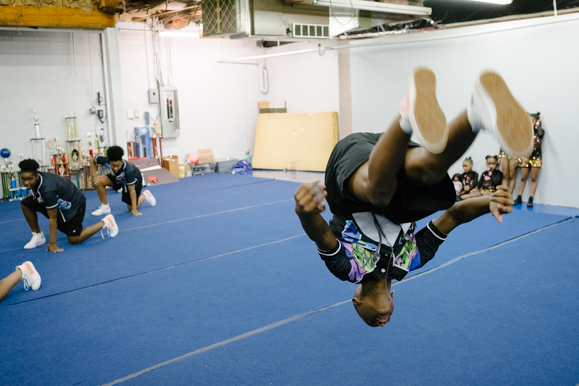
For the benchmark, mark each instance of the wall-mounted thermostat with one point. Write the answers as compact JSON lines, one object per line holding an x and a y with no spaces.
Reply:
{"x":153,"y":95}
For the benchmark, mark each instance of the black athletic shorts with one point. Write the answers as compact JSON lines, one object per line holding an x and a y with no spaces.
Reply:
{"x":72,"y":227}
{"x":409,"y":203}
{"x":126,"y":195}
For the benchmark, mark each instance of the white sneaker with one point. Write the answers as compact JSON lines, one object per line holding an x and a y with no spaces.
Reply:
{"x":30,"y":276}
{"x":37,"y":240}
{"x":494,"y":109}
{"x":149,"y":198}
{"x":103,"y":209}
{"x":420,"y":113}
{"x":111,"y":225}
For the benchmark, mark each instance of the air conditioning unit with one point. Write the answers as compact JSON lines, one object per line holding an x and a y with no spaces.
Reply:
{"x":263,"y":19}
{"x":309,"y":19}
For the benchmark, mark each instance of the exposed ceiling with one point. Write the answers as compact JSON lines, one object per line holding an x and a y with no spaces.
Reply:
{"x":457,"y":11}
{"x":176,"y":14}
{"x":261,"y":17}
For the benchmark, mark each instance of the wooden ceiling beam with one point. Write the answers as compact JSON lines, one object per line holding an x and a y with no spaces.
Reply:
{"x":23,"y":16}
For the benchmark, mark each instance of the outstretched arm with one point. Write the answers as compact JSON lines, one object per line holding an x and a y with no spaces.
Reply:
{"x":499,"y":203}
{"x":309,"y":204}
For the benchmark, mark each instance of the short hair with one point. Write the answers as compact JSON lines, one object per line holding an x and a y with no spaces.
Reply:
{"x":29,"y":165}
{"x":492,"y":156}
{"x":536,"y":115}
{"x":469,"y":159}
{"x":115,"y":153}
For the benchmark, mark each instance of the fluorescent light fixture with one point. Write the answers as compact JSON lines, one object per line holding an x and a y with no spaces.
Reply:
{"x":375,"y":6}
{"x":178,"y":34}
{"x":495,"y":1}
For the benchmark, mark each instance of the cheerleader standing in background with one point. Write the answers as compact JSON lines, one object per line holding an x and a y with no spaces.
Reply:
{"x":509,"y":169}
{"x":533,"y":163}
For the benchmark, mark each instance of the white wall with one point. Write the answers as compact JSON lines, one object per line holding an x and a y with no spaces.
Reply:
{"x":307,"y":82}
{"x":218,"y":101}
{"x":56,"y":73}
{"x":538,"y":62}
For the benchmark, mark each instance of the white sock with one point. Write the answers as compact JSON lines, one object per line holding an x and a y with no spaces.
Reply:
{"x":405,"y":124}
{"x":475,"y":123}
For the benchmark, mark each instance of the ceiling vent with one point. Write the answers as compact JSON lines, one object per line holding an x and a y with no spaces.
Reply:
{"x":311,"y":31}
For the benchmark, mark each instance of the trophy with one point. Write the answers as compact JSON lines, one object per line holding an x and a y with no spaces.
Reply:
{"x":36,"y":125}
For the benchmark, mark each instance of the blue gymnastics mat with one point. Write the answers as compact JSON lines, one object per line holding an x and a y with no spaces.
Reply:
{"x":220,"y":272}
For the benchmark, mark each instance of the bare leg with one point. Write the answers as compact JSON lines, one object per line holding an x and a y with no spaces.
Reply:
{"x":101,"y":183}
{"x":86,"y":233}
{"x":524,"y":177}
{"x":513,"y":175}
{"x":31,"y":218}
{"x":9,"y":282}
{"x":101,"y":189}
{"x":534,"y":180}
{"x":375,"y":181}
{"x":102,"y":193}
{"x":423,"y":167}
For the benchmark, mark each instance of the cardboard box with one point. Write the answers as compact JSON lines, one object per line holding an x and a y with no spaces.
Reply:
{"x":205,"y":156}
{"x":295,"y":141}
{"x":171,"y":163}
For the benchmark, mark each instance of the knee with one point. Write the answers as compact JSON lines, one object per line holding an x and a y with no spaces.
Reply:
{"x":74,"y":240}
{"x":426,"y":174}
{"x":380,"y":195}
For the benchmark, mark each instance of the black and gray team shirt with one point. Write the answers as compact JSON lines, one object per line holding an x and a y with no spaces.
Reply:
{"x":55,"y":192}
{"x":129,"y":174}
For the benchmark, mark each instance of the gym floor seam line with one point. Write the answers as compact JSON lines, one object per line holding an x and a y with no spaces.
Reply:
{"x":159,"y":269}
{"x":208,"y":190}
{"x":296,"y":317}
{"x":188,"y":218}
{"x":565,"y":220}
{"x":223,"y":343}
{"x":206,"y":215}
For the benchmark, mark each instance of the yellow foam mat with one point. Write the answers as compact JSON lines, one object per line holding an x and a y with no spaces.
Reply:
{"x":295,"y":141}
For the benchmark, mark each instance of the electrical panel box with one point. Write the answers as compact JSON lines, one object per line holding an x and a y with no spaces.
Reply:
{"x":169,"y":105}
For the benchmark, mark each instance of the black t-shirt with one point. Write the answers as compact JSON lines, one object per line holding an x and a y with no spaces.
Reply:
{"x":127,"y":175}
{"x":470,"y":179}
{"x":356,"y":257}
{"x":489,"y":180}
{"x":57,"y":192}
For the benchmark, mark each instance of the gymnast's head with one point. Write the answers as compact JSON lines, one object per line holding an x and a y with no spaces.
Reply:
{"x":374,"y":301}
{"x":29,"y":172}
{"x":115,"y":156}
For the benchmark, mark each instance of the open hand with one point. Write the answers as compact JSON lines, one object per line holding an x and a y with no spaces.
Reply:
{"x":501,"y":203}
{"x":53,"y":248}
{"x":310,"y":198}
